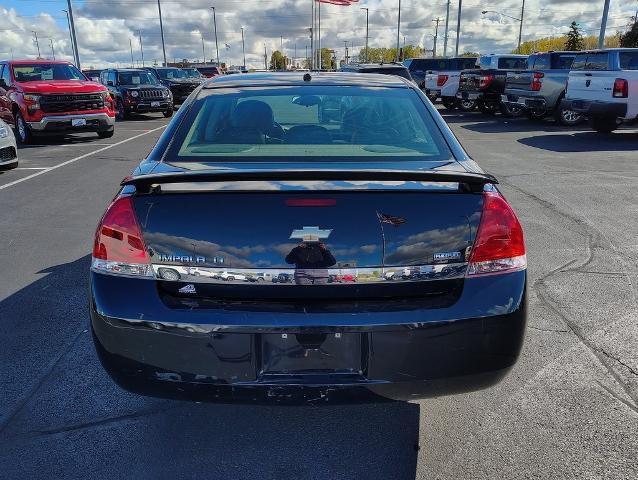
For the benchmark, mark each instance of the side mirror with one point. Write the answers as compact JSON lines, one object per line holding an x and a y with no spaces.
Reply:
{"x":110,"y":83}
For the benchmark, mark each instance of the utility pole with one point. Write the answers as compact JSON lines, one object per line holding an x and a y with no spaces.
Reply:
{"x":243,"y":48}
{"x":312,"y":35}
{"x":345,"y":49}
{"x":70,"y":34}
{"x":458,"y":28}
{"x":37,"y":44}
{"x":159,"y":9}
{"x":603,"y":25}
{"x":398,"y":30}
{"x":319,"y":37}
{"x":52,"y":51}
{"x":294,"y":59}
{"x":141,"y":47}
{"x":367,"y":11}
{"x":265,"y":58}
{"x":74,"y":37}
{"x":203,"y":49}
{"x":437,"y":20}
{"x":520,"y":30}
{"x":130,"y":43}
{"x":216,"y":44}
{"x":447,"y":25}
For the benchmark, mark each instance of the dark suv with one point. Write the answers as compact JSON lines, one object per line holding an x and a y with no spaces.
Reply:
{"x":177,"y":80}
{"x":136,"y":91}
{"x":383,"y":68}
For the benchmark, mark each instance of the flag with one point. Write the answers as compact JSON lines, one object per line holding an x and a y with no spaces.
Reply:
{"x":391,"y":219}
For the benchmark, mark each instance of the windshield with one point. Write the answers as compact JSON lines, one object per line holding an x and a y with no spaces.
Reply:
{"x":136,"y":78}
{"x":169,"y":73}
{"x":192,"y":73}
{"x":328,"y":122}
{"x":42,"y":71}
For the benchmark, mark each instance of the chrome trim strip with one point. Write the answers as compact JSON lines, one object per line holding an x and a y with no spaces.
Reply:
{"x":337,"y":276}
{"x":42,"y":124}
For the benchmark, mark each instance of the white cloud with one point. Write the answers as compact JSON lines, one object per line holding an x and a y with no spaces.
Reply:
{"x":105,"y":28}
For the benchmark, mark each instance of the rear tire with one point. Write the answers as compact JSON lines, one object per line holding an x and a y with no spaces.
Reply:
{"x":604,"y":124}
{"x":466,"y":105}
{"x":487,"y":108}
{"x":510,"y":112}
{"x":107,"y":134}
{"x":568,"y":118}
{"x":168,"y":113}
{"x":23,"y":132}
{"x":449,"y":103}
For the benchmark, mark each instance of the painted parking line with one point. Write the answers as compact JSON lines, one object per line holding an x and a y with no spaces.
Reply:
{"x":31,"y":168}
{"x":73,"y":160}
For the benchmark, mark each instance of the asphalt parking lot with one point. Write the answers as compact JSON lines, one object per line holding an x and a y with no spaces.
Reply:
{"x":569,"y":409}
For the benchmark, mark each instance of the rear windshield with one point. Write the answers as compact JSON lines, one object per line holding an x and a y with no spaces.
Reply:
{"x":591,"y":61}
{"x":401,"y":72}
{"x":468,"y":63}
{"x":39,"y":72}
{"x":629,"y":60}
{"x":348,"y":123}
{"x":512,"y":63}
{"x":136,"y":78}
{"x":422,"y":64}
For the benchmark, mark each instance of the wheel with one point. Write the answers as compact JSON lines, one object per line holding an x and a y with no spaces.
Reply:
{"x":535,"y":114}
{"x":510,"y":111}
{"x":604,"y":124}
{"x":466,"y":105}
{"x":169,"y":274}
{"x":569,"y":118}
{"x":23,"y":132}
{"x":487,"y":108}
{"x":120,"y":111}
{"x":449,"y":103}
{"x":230,"y":279}
{"x":168,"y":113}
{"x":107,"y":134}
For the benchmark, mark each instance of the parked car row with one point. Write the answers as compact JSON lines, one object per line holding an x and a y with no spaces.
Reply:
{"x":601,"y":85}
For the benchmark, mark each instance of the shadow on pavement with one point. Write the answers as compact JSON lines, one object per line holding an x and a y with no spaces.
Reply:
{"x":63,"y":417}
{"x":620,"y":141}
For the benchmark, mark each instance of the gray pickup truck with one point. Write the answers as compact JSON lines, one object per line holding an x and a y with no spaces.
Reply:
{"x":540,"y":89}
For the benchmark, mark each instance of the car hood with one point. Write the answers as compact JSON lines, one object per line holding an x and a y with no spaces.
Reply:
{"x":61,"y":86}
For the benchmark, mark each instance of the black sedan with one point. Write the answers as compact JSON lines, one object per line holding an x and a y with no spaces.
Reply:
{"x":252,"y":176}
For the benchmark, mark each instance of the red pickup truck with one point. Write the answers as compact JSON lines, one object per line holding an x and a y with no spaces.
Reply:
{"x":44,"y":97}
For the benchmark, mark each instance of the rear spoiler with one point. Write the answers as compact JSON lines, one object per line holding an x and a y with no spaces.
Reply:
{"x":152,"y":182}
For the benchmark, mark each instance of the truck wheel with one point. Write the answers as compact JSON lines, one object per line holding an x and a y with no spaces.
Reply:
{"x":568,"y":118}
{"x":449,"y":103}
{"x":168,"y":113}
{"x":510,"y":111}
{"x":106,"y":134}
{"x":487,"y":108}
{"x":120,"y":111}
{"x":23,"y":133}
{"x":466,"y":105}
{"x":535,"y":114}
{"x":604,"y":124}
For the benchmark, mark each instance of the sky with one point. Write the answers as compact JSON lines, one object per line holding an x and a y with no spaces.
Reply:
{"x":107,"y":29}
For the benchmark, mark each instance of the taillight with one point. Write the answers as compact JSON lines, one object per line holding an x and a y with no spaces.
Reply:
{"x":441,"y":80}
{"x":621,"y":88}
{"x":485,"y":80}
{"x":119,"y":248}
{"x":536,"y":81}
{"x":499,"y":246}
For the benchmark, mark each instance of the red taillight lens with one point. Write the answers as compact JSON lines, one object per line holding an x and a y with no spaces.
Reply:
{"x":536,"y":81}
{"x":485,"y":80}
{"x":621,"y":88}
{"x":441,"y":80}
{"x":118,"y":247}
{"x":499,"y":246}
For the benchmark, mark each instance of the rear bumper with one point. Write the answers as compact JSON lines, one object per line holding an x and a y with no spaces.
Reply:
{"x":525,"y":101}
{"x":8,"y":156}
{"x":239,"y":355}
{"x":95,"y":122}
{"x":596,"y":108}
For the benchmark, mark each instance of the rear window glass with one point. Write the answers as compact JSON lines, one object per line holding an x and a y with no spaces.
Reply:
{"x":591,"y":61}
{"x":297,"y":123}
{"x":41,"y":71}
{"x":512,"y":63}
{"x":540,"y":62}
{"x":563,"y":62}
{"x":629,"y":60}
{"x":422,"y":64}
{"x":401,"y":72}
{"x":485,"y":63}
{"x":463,"y":63}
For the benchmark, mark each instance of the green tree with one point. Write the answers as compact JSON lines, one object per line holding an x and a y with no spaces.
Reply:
{"x":277,"y":61}
{"x":470,"y":54}
{"x":327,"y":59}
{"x":629,"y":39}
{"x":574,"y":40}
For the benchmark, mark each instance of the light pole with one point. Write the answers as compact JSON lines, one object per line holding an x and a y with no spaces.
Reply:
{"x":437,"y":20}
{"x":141,"y":46}
{"x":37,"y":44}
{"x":520,"y":30}
{"x":74,"y":37}
{"x":458,"y":27}
{"x":52,"y":51}
{"x":447,"y":24}
{"x":70,"y":34}
{"x":398,"y":30}
{"x":203,"y":49}
{"x":130,"y":43}
{"x":216,"y":44}
{"x":159,"y":9}
{"x":603,"y":25}
{"x":243,"y":48}
{"x":367,"y":11}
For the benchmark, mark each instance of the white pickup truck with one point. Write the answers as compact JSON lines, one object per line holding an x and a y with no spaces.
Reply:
{"x":444,"y":81}
{"x":603,"y":85}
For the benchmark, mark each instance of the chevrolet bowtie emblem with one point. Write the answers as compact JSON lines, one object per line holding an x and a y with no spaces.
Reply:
{"x":310,"y":234}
